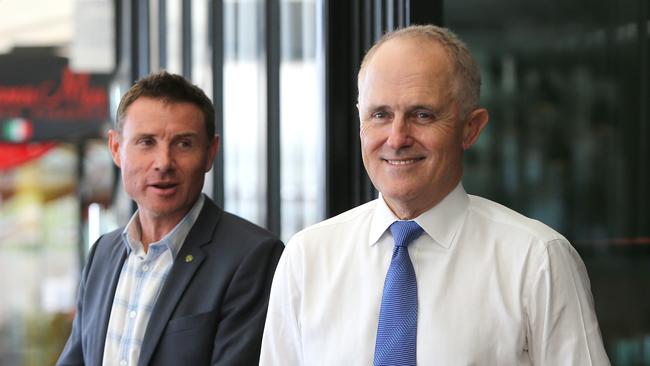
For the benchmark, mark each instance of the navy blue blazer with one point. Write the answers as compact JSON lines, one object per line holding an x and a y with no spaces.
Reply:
{"x":210,"y":311}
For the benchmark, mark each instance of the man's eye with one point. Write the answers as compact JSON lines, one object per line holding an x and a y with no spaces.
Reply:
{"x":184,"y":144}
{"x":145,"y":142}
{"x":379,"y":115}
{"x":423,"y":116}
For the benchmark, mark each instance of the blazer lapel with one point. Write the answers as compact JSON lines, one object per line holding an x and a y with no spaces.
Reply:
{"x":114,"y":265}
{"x":187,"y":261}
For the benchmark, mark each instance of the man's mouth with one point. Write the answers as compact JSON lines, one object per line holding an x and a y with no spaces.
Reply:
{"x":164,"y":185}
{"x":402,"y":161}
{"x":164,"y":188}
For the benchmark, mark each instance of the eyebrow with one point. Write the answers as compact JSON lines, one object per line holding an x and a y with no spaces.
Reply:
{"x":186,"y":135}
{"x":424,"y":106}
{"x":141,"y":135}
{"x":174,"y":137}
{"x":430,"y":107}
{"x":377,"y":107}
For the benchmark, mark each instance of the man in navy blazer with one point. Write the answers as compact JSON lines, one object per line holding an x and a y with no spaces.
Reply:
{"x":183,"y":283}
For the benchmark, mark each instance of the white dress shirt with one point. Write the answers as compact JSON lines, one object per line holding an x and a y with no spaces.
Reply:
{"x":494,"y":288}
{"x":143,"y":276}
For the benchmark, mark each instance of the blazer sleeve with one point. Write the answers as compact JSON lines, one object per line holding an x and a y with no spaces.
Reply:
{"x":72,"y":353}
{"x":238,"y":337}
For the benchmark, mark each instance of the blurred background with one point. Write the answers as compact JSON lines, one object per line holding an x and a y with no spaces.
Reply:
{"x":566,"y":83}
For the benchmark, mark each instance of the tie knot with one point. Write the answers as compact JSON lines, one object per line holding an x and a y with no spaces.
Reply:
{"x":404,"y":232}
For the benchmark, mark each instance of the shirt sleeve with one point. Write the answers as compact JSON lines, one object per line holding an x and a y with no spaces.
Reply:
{"x":281,"y":342}
{"x":562,"y":324}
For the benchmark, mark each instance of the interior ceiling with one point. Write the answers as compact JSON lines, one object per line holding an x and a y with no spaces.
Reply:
{"x":35,"y":23}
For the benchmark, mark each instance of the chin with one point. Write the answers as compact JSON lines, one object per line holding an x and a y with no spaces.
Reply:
{"x":398,"y":194}
{"x":163,"y":208}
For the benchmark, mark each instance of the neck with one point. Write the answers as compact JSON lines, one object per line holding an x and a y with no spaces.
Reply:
{"x":405,"y":211}
{"x":408,"y":210}
{"x":154,"y":229}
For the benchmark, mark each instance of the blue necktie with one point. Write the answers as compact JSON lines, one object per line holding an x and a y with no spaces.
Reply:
{"x":398,"y":317}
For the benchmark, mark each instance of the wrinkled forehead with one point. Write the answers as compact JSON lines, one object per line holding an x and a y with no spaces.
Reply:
{"x":407,"y":52}
{"x":407,"y":67}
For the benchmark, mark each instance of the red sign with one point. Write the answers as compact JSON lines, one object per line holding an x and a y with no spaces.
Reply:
{"x":12,"y":155}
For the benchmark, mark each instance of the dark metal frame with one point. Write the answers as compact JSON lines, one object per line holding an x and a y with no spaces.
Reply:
{"x":162,"y":34}
{"x":186,"y":16}
{"x":273,"y":156}
{"x":215,"y":22}
{"x":643,"y":29}
{"x":140,"y":36}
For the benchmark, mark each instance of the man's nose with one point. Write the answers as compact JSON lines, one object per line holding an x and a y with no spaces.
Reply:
{"x":400,"y":133}
{"x":164,"y":160}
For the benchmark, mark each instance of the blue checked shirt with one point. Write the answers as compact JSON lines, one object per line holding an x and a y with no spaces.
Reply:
{"x":142,"y":277}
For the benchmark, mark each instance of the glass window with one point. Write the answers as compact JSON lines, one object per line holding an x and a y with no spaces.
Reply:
{"x":301,"y":116}
{"x":244,"y":99}
{"x":201,"y":50}
{"x":174,"y":56}
{"x":53,"y":164}
{"x":39,"y":225}
{"x":44,"y":217}
{"x":202,"y":62}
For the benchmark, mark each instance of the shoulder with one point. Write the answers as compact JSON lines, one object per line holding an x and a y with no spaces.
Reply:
{"x":110,"y":237}
{"x":232,"y":232}
{"x":107,"y":244}
{"x":510,"y":222}
{"x":336,"y":229}
{"x":527,"y":241}
{"x":104,"y":254}
{"x":242,"y":228}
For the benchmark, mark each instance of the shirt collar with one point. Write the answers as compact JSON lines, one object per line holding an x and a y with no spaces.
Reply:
{"x":440,"y":222}
{"x":173,"y":240}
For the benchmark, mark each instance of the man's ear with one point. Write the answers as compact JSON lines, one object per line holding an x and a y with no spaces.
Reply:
{"x":359,"y":112}
{"x":475,"y":123}
{"x":212,"y":152}
{"x":114,"y":141}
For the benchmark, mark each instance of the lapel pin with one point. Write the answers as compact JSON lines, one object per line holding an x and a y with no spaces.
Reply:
{"x":189,"y":258}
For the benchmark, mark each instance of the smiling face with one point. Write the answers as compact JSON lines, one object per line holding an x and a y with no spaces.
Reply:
{"x":412,"y":137}
{"x":163,"y":152}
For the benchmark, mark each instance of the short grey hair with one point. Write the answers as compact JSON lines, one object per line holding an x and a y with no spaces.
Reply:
{"x":467,"y":80}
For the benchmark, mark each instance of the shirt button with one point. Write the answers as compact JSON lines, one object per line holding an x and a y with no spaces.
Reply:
{"x":123,"y":363}
{"x":145,"y":268}
{"x":132,"y":315}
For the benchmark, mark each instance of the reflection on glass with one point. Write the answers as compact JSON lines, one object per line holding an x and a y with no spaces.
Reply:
{"x":201,"y":51}
{"x":38,"y":256}
{"x":102,"y":211}
{"x":174,"y":54}
{"x":244,"y":125}
{"x":201,"y":62}
{"x":301,"y":117}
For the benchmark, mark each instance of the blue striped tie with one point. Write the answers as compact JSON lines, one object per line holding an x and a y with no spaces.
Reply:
{"x":398,"y":317}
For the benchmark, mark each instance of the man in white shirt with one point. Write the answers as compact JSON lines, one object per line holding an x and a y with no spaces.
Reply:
{"x":478,"y":283}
